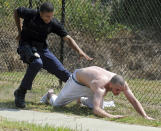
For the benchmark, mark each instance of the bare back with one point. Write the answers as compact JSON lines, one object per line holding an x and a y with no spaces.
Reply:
{"x":92,"y":74}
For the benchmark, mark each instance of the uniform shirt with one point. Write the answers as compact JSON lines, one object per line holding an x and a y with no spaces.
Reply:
{"x":35,"y":30}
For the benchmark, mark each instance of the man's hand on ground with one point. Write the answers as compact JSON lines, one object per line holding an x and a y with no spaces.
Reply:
{"x":149,"y":118}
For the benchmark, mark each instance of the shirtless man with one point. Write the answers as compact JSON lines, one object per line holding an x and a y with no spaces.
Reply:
{"x":89,"y":86}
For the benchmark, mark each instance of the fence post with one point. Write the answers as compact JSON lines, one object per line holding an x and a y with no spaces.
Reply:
{"x":30,"y":3}
{"x":62,"y":41}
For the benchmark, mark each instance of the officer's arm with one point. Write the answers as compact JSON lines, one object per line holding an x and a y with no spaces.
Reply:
{"x":70,"y":41}
{"x":17,"y":21}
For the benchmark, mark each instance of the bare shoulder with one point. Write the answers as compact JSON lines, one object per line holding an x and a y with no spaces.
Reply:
{"x":102,"y":70}
{"x":97,"y":86}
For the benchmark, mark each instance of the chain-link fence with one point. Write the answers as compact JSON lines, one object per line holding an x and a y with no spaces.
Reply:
{"x":122,"y":36}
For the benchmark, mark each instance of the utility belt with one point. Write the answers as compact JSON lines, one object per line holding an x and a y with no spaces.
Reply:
{"x":39,"y":45}
{"x":27,"y":53}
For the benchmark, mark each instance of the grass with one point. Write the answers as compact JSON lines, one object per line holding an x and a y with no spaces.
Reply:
{"x":146,"y":91}
{"x":42,"y":79}
{"x":6,"y":125}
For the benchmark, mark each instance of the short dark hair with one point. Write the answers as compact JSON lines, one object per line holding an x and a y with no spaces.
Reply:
{"x":117,"y":79}
{"x":47,"y":7}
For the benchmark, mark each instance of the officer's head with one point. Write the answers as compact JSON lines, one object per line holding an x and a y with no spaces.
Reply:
{"x":46,"y":12}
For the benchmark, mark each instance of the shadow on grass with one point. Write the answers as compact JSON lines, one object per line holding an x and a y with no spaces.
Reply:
{"x":74,"y":109}
{"x":7,"y":104}
{"x":29,"y":106}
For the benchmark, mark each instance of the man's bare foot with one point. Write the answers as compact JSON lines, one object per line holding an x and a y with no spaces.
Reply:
{"x":78,"y":101}
{"x":50,"y":93}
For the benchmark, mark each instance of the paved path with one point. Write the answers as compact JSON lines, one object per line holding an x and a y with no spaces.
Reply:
{"x":73,"y":122}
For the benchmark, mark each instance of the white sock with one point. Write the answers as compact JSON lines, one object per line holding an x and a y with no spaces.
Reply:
{"x":52,"y":99}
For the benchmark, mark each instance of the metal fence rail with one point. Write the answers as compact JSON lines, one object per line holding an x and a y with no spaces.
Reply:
{"x":123,"y":36}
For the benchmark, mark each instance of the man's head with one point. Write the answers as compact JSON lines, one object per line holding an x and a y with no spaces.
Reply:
{"x":117,"y":84}
{"x":46,"y":12}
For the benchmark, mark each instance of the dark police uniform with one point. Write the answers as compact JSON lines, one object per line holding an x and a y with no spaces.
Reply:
{"x":34,"y":33}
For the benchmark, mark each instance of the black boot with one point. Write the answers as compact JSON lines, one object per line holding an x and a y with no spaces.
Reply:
{"x":20,"y":98}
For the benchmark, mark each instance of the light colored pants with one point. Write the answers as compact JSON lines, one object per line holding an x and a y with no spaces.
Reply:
{"x":72,"y":91}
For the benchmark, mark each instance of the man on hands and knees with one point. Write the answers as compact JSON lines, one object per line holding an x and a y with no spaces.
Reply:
{"x":89,"y":86}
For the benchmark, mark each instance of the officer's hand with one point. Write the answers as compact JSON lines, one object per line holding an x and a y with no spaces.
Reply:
{"x":82,"y":54}
{"x":18,"y":37}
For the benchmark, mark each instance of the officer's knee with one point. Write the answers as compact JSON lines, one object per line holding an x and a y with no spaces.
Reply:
{"x":64,"y":75}
{"x":37,"y":64}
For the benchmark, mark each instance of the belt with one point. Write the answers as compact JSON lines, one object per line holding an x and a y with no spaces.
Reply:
{"x":77,"y":81}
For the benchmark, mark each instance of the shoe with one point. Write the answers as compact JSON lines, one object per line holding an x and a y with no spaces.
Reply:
{"x":46,"y":97}
{"x":19,"y":99}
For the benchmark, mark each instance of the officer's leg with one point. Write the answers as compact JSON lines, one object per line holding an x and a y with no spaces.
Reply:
{"x":31,"y":72}
{"x":26,"y":83}
{"x":54,"y":66}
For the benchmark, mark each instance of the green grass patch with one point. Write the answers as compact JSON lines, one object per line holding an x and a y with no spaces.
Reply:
{"x":139,"y":121}
{"x":6,"y":125}
{"x":42,"y":79}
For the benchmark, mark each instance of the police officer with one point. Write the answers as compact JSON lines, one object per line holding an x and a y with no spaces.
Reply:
{"x":33,"y":48}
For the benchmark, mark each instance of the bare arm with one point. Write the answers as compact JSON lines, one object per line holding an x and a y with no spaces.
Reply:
{"x":136,"y":104}
{"x":74,"y":45}
{"x":18,"y":23}
{"x":97,"y":110}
